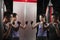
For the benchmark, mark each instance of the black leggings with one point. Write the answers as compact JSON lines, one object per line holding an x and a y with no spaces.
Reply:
{"x":16,"y":38}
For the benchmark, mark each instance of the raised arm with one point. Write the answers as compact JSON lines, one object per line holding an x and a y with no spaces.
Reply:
{"x":35,"y":25}
{"x":24,"y":26}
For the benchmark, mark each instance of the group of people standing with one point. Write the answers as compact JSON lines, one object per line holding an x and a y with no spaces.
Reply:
{"x":11,"y":27}
{"x":46,"y":31}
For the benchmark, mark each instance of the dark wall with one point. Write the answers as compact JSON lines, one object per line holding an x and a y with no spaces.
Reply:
{"x":41,"y":7}
{"x":9,"y":5}
{"x":42,"y":4}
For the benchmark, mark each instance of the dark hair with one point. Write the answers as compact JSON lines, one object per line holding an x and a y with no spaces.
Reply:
{"x":55,"y":14}
{"x":14,"y":14}
{"x":55,"y":17}
{"x":7,"y":15}
{"x":42,"y":15}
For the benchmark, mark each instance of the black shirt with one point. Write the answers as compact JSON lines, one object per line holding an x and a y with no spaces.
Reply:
{"x":5,"y":30}
{"x":52,"y":32}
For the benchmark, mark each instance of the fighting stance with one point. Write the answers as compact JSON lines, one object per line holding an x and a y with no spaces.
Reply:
{"x":15,"y":27}
{"x":54,"y":28}
{"x":7,"y":26}
{"x":42,"y":28}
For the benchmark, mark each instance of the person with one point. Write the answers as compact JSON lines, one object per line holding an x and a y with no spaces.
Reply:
{"x":54,"y":28}
{"x":15,"y":27}
{"x":58,"y":26}
{"x":6,"y":26}
{"x":42,"y":28}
